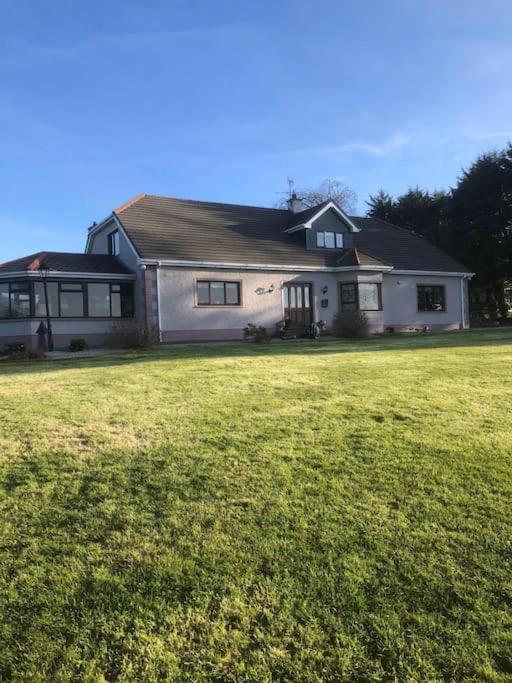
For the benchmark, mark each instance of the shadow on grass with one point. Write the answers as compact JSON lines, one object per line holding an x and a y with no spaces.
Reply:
{"x":447,"y":340}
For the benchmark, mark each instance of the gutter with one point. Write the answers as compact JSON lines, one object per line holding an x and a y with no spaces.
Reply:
{"x":177,"y":263}
{"x":438,"y":273}
{"x":259,"y":266}
{"x":63,"y":275}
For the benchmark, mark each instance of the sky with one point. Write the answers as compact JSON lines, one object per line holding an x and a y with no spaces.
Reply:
{"x":223,"y":101}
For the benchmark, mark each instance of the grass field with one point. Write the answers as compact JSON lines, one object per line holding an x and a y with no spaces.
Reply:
{"x":300,"y":512}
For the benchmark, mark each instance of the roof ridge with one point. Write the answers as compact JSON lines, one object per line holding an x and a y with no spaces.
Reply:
{"x":316,"y":206}
{"x":198,"y":201}
{"x":130,"y":202}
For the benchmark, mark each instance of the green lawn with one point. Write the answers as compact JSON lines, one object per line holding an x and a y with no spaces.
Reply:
{"x":299,"y":512}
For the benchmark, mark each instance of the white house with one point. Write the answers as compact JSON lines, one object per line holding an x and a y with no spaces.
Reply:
{"x":192,"y":270}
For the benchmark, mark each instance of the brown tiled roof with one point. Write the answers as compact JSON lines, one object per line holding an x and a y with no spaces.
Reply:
{"x":129,"y":203}
{"x":402,"y":248}
{"x":164,"y":228}
{"x":183,"y":229}
{"x":356,"y":257}
{"x":67,"y":263}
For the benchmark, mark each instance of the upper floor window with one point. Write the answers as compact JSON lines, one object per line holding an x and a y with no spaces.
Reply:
{"x":329,"y":240}
{"x":113,"y":243}
{"x":218,"y":293}
{"x":431,"y":298}
{"x":362,"y":296}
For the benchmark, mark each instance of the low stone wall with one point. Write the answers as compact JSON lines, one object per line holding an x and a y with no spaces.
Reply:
{"x":61,"y":341}
{"x":96,"y":332}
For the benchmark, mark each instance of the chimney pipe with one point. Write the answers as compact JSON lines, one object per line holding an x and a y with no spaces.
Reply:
{"x":295,"y":204}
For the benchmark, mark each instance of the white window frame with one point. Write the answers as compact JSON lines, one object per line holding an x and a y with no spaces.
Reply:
{"x":321,"y":239}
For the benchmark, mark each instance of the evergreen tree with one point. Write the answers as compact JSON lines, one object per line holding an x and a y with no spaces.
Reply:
{"x":381,"y":206}
{"x":481,"y":221}
{"x":472,"y":222}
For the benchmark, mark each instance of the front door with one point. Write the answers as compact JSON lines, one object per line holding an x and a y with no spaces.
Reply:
{"x":297,"y":302}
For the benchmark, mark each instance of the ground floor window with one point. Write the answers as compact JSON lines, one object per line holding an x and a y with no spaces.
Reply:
{"x":98,"y":301}
{"x":14,"y":300}
{"x":5,"y":306}
{"x":109,"y":300}
{"x":71,"y":300}
{"x":25,"y":299}
{"x":360,"y":296}
{"x":218,"y":293}
{"x":40,"y":301}
{"x":431,"y":298}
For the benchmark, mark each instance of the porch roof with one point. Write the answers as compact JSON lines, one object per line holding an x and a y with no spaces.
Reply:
{"x":67,"y":264}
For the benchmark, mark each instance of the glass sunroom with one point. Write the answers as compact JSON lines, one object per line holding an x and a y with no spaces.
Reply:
{"x":87,"y":295}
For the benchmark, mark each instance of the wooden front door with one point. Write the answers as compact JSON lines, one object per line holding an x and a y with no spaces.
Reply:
{"x":297,"y":302}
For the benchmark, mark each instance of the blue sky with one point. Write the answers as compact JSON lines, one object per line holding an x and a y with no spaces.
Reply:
{"x":224,"y":100}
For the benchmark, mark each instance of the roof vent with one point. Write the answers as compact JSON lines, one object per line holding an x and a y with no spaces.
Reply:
{"x":295,"y":204}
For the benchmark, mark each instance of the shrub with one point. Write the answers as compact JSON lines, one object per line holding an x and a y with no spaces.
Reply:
{"x":262,"y":336}
{"x":351,"y":324}
{"x":15,"y":347}
{"x":18,"y":355}
{"x":259,"y":334}
{"x":129,"y":335}
{"x":77,"y":345}
{"x":250,"y":331}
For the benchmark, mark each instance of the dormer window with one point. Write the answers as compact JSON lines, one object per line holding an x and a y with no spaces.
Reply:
{"x":329,"y":240}
{"x":113,"y":243}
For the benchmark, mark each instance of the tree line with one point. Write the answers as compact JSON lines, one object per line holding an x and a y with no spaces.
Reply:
{"x":472,"y":222}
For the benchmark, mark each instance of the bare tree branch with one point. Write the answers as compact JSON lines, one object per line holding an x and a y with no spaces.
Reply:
{"x":329,"y":189}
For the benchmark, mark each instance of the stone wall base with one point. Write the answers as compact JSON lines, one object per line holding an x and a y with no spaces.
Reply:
{"x":61,"y":341}
{"x":181,"y":336}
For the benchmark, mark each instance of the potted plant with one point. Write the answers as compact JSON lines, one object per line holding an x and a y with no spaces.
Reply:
{"x":281,"y":327}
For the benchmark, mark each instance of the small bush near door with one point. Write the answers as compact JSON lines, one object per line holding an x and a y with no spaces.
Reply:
{"x":351,"y":325}
{"x":77,"y":345}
